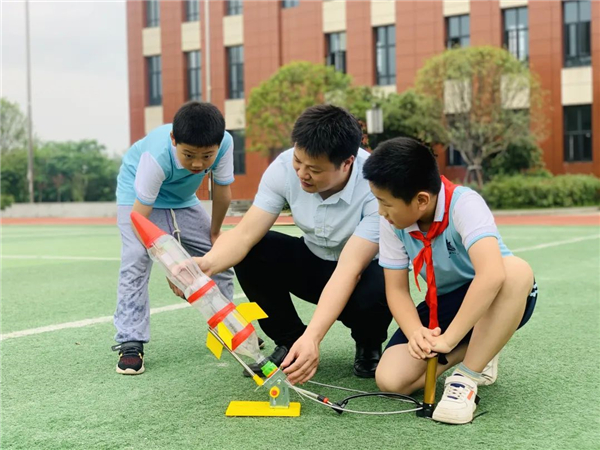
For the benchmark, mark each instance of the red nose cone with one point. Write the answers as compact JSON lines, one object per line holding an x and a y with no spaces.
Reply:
{"x":146,"y":229}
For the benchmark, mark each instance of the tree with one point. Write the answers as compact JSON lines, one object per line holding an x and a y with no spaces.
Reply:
{"x":480,"y":97}
{"x":13,"y":127}
{"x":275,"y":104}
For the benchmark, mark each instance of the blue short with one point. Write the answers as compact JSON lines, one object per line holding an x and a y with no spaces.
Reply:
{"x":448,"y":306}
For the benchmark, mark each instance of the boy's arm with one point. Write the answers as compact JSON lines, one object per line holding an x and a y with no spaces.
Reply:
{"x":355,"y":257}
{"x":489,"y":277}
{"x":144,"y":210}
{"x":220,"y":205}
{"x":234,"y":245}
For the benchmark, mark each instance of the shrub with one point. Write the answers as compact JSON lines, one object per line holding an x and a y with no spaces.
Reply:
{"x":522,"y":191}
{"x":6,"y":201}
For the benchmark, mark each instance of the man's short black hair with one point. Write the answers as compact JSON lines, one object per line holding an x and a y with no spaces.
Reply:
{"x":198,"y":124}
{"x":328,"y":130}
{"x":404,"y":167}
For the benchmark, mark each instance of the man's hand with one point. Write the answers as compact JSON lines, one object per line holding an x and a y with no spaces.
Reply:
{"x":204,"y":264}
{"x":214,"y":237}
{"x":175,"y":289}
{"x":420,"y":344}
{"x":305,"y":357}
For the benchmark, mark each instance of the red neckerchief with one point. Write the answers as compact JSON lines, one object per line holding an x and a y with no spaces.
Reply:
{"x":426,"y":254}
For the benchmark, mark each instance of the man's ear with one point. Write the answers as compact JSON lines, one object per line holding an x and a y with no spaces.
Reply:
{"x":348,"y":163}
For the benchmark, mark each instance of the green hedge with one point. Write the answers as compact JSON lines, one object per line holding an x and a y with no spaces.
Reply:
{"x":6,"y":201}
{"x":522,"y":191}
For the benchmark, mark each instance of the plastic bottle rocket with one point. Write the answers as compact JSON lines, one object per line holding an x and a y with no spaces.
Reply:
{"x":230,"y":322}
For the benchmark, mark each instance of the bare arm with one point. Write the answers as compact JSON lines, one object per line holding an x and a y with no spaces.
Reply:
{"x":144,"y":210}
{"x":220,"y":205}
{"x":489,"y":277}
{"x":234,"y":245}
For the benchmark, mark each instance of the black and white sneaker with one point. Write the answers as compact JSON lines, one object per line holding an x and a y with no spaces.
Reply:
{"x":131,"y":357}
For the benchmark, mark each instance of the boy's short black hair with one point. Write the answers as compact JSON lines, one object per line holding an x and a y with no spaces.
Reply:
{"x":404,"y":167}
{"x":328,"y":130}
{"x":198,"y":124}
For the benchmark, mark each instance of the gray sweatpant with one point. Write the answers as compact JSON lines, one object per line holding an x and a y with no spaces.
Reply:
{"x":132,"y":317}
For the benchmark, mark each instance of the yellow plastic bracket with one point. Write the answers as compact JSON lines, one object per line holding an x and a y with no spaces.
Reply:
{"x":261,"y":409}
{"x":214,"y":345}
{"x":225,"y":334}
{"x":251,"y":311}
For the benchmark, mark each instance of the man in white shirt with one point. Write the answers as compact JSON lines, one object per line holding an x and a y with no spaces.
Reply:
{"x":333,"y":265}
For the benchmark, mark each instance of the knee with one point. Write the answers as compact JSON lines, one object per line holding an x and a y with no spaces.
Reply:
{"x":392,"y":382}
{"x":518,"y":274}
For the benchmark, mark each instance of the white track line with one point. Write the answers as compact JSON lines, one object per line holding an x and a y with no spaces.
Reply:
{"x":557,"y":243}
{"x":107,"y":319}
{"x":86,"y":322}
{"x":66,"y":258}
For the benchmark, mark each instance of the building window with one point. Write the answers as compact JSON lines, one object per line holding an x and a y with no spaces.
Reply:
{"x":194,"y":75}
{"x":385,"y":54}
{"x":516,"y":32}
{"x":458,"y":31}
{"x":336,"y":51}
{"x":192,"y":10}
{"x":234,"y":7}
{"x":453,"y":157}
{"x":239,"y":151}
{"x":290,"y":3}
{"x":153,"y":65}
{"x":152,"y":13}
{"x":578,"y":133}
{"x":235,"y":62}
{"x":577,"y":16}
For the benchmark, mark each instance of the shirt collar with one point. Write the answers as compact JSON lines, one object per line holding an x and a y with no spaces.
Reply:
{"x":175,"y":158}
{"x":348,"y":191}
{"x":439,"y":210}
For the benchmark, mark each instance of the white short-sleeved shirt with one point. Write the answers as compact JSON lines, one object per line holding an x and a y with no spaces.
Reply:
{"x":151,"y":172}
{"x":326,"y":224}
{"x":470,"y":220}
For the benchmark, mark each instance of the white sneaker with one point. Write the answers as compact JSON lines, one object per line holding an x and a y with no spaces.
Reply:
{"x":490,"y":372}
{"x":458,"y":402}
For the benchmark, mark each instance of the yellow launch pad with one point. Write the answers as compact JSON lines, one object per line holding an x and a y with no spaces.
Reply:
{"x":261,"y":409}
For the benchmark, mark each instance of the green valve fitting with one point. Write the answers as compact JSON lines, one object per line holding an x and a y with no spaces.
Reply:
{"x":268,"y":368}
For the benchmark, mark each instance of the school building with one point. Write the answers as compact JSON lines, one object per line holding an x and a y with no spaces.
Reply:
{"x":218,"y":50}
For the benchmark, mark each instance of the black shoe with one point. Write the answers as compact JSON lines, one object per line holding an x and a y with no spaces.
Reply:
{"x":366,"y":359}
{"x":276,"y":358}
{"x":131,"y":357}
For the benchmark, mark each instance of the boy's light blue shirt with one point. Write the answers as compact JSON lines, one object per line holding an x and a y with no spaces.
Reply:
{"x":151,"y":173}
{"x":327,"y":224}
{"x":470,"y":220}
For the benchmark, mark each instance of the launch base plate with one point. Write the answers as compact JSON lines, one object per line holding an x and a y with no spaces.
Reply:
{"x":261,"y":409}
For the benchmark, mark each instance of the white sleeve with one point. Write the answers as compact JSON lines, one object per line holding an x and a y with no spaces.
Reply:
{"x":271,"y":190}
{"x":473,"y":219}
{"x":392,"y":254}
{"x":223,"y":173}
{"x":368,"y":227}
{"x":148,"y":179}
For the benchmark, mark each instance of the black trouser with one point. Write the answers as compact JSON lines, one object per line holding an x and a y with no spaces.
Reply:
{"x":280,"y":264}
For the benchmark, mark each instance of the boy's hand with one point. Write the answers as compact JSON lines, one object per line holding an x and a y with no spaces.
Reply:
{"x":420,"y":344}
{"x":304,"y":360}
{"x":175,"y":289}
{"x":440,"y":343}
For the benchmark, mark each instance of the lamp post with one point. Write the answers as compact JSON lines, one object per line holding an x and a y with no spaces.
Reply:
{"x":30,"y":139}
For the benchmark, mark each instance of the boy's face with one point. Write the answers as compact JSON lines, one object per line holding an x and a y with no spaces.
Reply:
{"x":396,"y":211}
{"x":195,"y":159}
{"x":319,"y":175}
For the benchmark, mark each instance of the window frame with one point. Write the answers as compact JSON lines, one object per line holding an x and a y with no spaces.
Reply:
{"x":387,"y":76}
{"x":336,"y":58}
{"x":239,"y":151}
{"x":517,"y":35}
{"x":577,"y":137}
{"x":152,"y":11}
{"x":285,"y":4}
{"x":234,"y":7}
{"x":235,"y":72}
{"x":451,"y":39}
{"x":154,"y":77}
{"x":194,"y":72}
{"x":583,"y":36}
{"x":192,"y":13}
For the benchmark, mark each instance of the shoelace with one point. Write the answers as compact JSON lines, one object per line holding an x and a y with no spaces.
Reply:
{"x":456,"y":391}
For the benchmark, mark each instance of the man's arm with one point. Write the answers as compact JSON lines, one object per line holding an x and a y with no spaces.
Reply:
{"x":489,"y":277}
{"x":220,"y":205}
{"x":234,"y":245}
{"x":355,"y":257}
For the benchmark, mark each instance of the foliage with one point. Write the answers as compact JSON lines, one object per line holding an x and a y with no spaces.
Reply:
{"x":520,"y":157}
{"x":522,"y":191}
{"x":13,"y":127}
{"x":480,"y":98}
{"x":6,"y":201}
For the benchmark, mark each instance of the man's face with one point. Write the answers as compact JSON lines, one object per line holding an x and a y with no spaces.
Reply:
{"x":395,"y":210}
{"x":195,"y":159}
{"x":319,"y":175}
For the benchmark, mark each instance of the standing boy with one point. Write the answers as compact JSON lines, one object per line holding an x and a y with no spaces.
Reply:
{"x":484,"y":293}
{"x":159,"y":177}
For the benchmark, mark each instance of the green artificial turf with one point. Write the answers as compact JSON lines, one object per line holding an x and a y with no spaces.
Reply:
{"x":60,"y":391}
